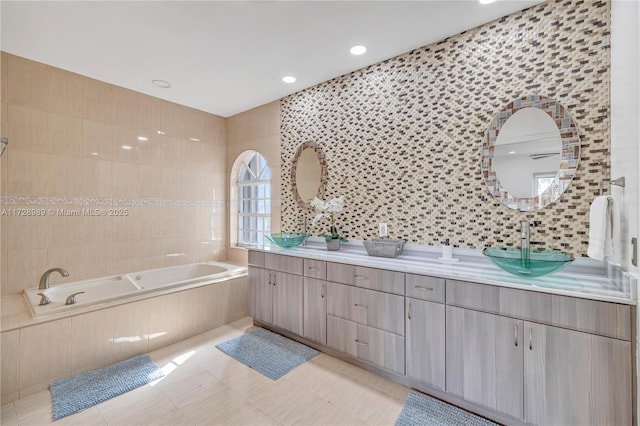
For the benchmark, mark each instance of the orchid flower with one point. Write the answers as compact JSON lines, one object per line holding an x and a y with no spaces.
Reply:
{"x":327,"y":210}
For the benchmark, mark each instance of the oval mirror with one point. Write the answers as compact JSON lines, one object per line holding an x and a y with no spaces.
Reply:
{"x":308,"y":173}
{"x":530,"y":153}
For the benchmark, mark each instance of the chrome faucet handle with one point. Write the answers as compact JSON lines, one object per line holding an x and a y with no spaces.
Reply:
{"x":44,"y":300}
{"x":71,"y":300}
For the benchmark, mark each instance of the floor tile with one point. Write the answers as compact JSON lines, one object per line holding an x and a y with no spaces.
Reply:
{"x":8,"y":416}
{"x":227,"y":408}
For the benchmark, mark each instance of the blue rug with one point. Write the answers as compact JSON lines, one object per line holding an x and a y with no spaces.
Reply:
{"x":88,"y":389}
{"x":268,"y":353}
{"x":420,"y":409}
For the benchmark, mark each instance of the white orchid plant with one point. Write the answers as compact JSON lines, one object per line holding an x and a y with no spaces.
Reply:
{"x":327,"y":210}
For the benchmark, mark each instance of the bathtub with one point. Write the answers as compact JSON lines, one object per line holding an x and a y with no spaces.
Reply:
{"x":108,"y":289}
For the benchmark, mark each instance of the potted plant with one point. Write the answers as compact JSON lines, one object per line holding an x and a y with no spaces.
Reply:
{"x":327,"y":210}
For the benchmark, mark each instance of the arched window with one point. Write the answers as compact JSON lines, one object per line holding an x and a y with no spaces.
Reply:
{"x":253,"y":199}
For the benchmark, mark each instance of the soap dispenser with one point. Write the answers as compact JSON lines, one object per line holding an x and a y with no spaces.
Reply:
{"x":447,"y":253}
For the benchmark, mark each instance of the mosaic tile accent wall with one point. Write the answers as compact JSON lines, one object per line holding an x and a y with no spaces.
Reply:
{"x":402,"y":137}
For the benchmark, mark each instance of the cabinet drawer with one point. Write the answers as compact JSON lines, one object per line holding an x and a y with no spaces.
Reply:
{"x":379,"y":279}
{"x":340,"y":273}
{"x":425,"y":288}
{"x":315,"y":269}
{"x":373,"y":308}
{"x":591,"y":316}
{"x":369,"y":344}
{"x":475,"y":296}
{"x":256,"y":258}
{"x":371,"y":278}
{"x":278,"y":262}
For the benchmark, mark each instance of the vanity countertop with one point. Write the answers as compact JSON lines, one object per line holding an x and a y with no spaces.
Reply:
{"x":583,"y":278}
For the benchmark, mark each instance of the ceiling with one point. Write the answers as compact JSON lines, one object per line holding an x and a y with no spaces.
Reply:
{"x":225,"y":57}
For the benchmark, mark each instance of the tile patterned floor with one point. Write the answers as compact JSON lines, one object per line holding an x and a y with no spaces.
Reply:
{"x":203,"y":386}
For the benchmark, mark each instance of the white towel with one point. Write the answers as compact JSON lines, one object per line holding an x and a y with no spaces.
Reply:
{"x":601,"y":218}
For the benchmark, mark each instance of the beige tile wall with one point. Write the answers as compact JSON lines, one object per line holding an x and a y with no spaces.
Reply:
{"x":66,"y":136}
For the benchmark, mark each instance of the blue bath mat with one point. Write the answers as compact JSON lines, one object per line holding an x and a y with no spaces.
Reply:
{"x":93,"y":387}
{"x":419,"y":409}
{"x":268,"y":353}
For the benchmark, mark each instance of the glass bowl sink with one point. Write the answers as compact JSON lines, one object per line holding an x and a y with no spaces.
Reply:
{"x":539,"y":263}
{"x":287,"y":239}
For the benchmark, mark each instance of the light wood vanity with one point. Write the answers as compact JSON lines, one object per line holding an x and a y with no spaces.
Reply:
{"x":515,"y":355}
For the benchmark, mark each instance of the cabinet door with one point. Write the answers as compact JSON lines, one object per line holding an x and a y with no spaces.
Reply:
{"x":260,"y":295}
{"x":576,"y":378}
{"x":426,"y":342}
{"x":288,"y":292}
{"x":484,"y":357}
{"x":315,"y":310}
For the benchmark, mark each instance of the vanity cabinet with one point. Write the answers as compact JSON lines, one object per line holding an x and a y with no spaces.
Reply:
{"x":485,"y":359}
{"x":575,"y":378}
{"x":518,"y":356}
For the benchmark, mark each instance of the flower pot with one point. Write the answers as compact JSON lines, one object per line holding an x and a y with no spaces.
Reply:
{"x":333,"y":244}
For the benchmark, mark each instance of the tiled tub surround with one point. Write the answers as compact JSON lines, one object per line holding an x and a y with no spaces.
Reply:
{"x":402,"y":137}
{"x":552,"y":350}
{"x":67,"y":153}
{"x":37,"y":351}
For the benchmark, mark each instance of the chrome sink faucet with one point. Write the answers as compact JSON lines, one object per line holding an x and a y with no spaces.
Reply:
{"x":524,"y":244}
{"x":44,"y":279}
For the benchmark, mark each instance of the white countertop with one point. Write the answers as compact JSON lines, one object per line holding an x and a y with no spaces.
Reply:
{"x":583,"y":278}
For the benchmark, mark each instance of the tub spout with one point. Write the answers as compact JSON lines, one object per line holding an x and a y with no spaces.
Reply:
{"x":44,"y":279}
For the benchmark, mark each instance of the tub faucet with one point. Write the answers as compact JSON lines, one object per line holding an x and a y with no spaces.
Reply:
{"x":44,"y":279}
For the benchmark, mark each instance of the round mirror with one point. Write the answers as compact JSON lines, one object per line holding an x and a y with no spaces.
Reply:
{"x":308,"y":173}
{"x":530,"y":153}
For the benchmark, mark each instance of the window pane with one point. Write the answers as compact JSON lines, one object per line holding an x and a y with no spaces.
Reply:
{"x":254,"y":204}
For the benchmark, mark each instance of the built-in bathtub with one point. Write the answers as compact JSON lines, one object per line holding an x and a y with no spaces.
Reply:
{"x":108,"y":289}
{"x":117,"y":317}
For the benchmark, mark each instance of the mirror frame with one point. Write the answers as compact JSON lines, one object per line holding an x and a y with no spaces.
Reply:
{"x":570,"y":156}
{"x":323,"y":172}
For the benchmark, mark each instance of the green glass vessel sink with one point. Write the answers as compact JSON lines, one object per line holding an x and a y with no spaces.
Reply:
{"x":538,"y":264}
{"x":287,"y":239}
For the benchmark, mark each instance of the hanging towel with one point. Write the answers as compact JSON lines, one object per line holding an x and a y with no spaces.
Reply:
{"x":601,"y":218}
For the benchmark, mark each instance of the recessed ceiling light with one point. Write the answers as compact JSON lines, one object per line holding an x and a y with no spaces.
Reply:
{"x":143,"y":138}
{"x":512,"y":152}
{"x":127,"y":147}
{"x":486,"y":1}
{"x":358,"y":50}
{"x":161,"y":83}
{"x":289,"y":79}
{"x":94,"y":153}
{"x":160,"y":132}
{"x":194,"y":139}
